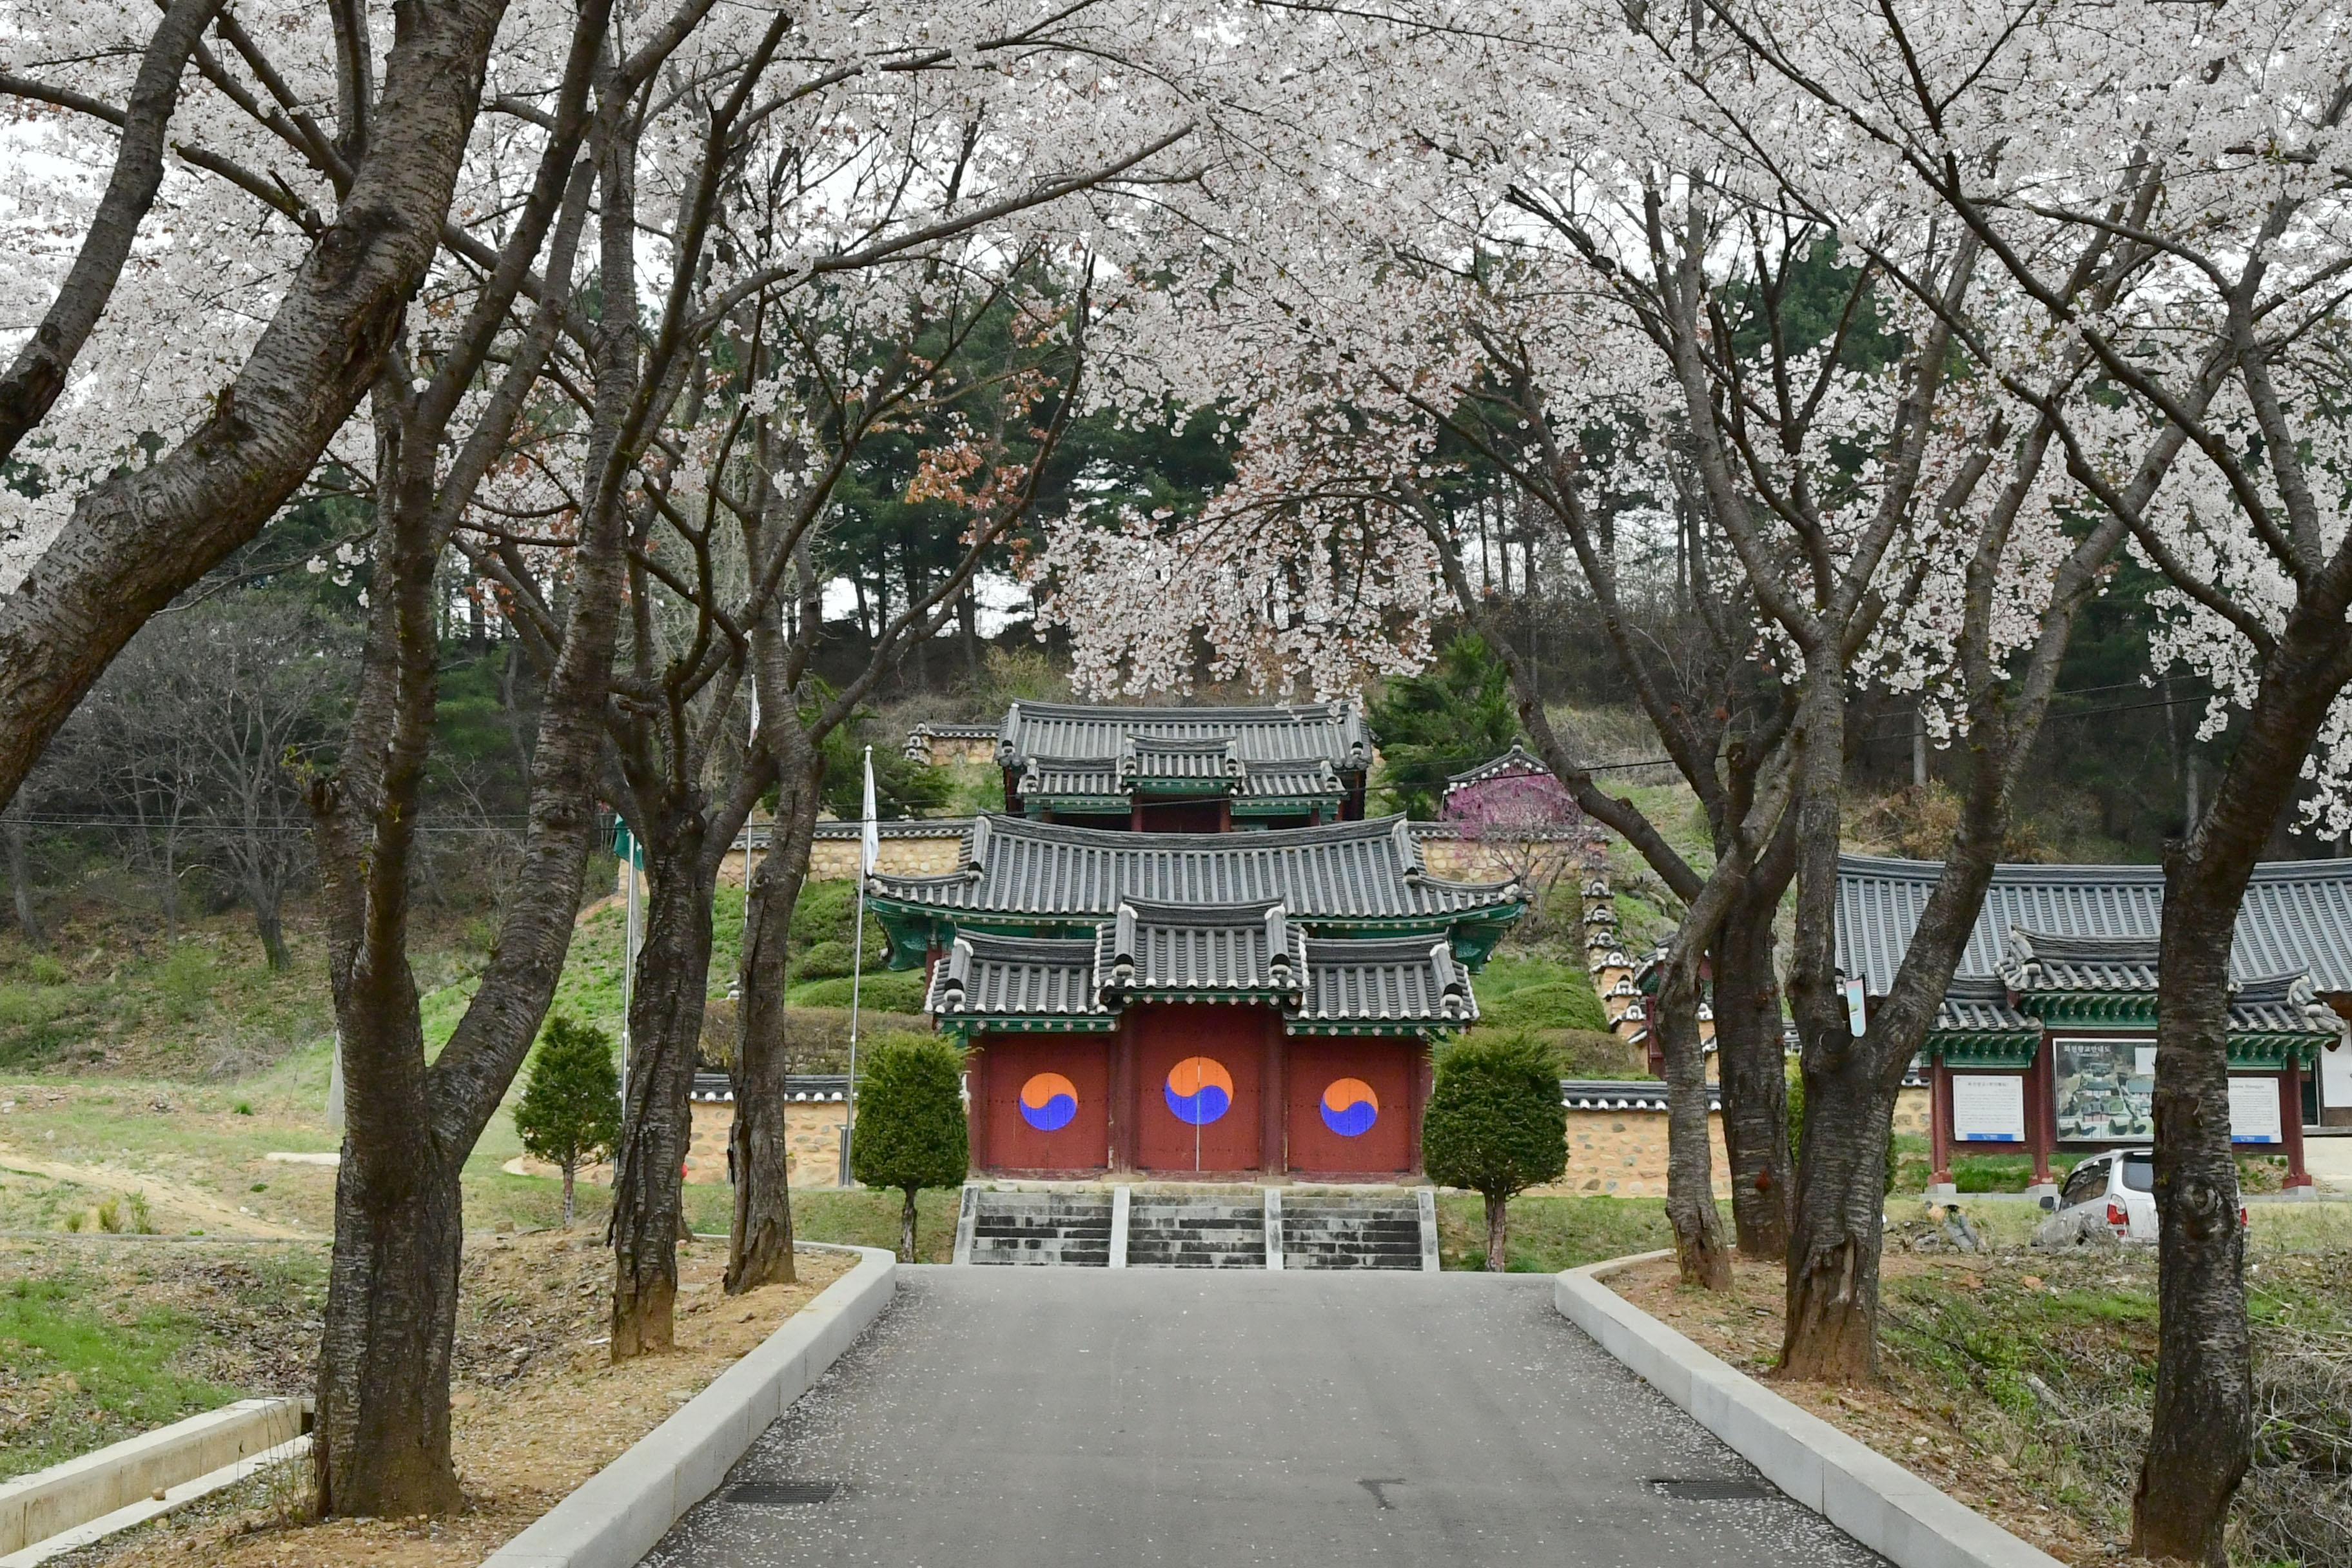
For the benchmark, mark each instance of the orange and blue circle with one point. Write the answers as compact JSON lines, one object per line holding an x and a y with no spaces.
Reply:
{"x":1048,"y":1101}
{"x":1199,"y":1090}
{"x":1349,"y":1107}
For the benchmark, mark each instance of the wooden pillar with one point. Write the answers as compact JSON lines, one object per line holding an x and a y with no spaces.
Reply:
{"x":2290,"y":1123}
{"x":1939,"y":1121}
{"x":1135,"y":814}
{"x":981,"y":1063}
{"x":1422,"y":1078}
{"x":1274,"y":1101}
{"x":1122,"y":1098}
{"x":2041,"y":1111}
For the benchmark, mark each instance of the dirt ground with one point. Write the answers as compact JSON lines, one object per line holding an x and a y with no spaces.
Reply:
{"x":538,"y":1410}
{"x":1906,"y":1419}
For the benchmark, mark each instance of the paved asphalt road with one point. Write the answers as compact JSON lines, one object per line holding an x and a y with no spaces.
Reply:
{"x":1030,"y":1418}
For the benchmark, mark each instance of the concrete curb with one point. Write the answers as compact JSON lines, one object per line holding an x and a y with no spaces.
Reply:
{"x":152,"y":1507}
{"x":37,"y":1507}
{"x":620,"y":1512}
{"x":1902,"y":1517}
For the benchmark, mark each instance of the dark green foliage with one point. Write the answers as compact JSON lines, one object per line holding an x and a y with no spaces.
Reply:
{"x":824,"y":914}
{"x":826,"y":960}
{"x":1495,"y":1122}
{"x":882,"y":993}
{"x":1797,"y":1127}
{"x":902,"y":787}
{"x":911,"y":1130}
{"x":570,"y":1112}
{"x":1568,"y":1004}
{"x":1456,"y":715}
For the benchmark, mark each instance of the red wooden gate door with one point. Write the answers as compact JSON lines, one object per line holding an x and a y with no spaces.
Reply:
{"x":1352,"y":1108}
{"x":1044,"y":1104}
{"x":1197,"y":1070}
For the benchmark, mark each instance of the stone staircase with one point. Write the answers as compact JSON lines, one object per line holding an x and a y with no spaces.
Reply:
{"x":1210,"y":1231}
{"x":1072,"y":1229}
{"x":1340,"y":1231}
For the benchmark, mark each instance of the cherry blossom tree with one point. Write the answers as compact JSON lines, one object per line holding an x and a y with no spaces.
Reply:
{"x":2211,"y":142}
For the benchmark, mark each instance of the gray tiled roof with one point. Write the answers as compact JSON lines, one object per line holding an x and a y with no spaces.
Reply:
{"x":1411,"y":978}
{"x":2039,"y":962}
{"x":1393,"y":983}
{"x":1206,"y":769}
{"x":1333,"y":731}
{"x":1343,"y":872}
{"x":1023,"y":977}
{"x":1167,"y":949}
{"x":1518,"y":760}
{"x":1979,"y":1004}
{"x":2297,"y":914}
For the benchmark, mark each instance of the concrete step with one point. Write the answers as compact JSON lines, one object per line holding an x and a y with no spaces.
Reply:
{"x":1176,"y":1233}
{"x":1350,"y":1232}
{"x":1070,"y":1230}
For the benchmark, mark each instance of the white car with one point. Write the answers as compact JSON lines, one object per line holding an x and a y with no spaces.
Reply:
{"x":2119,"y":1188}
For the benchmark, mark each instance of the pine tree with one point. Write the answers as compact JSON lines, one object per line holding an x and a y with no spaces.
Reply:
{"x":570,"y":1112}
{"x":1495,"y":1125}
{"x":910,"y":1131}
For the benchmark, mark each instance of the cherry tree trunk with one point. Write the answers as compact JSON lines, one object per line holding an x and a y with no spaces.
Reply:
{"x":666,"y":1002}
{"x":1702,"y":1251}
{"x":1750,"y":1058}
{"x":380,"y":1446}
{"x":760,"y":1240}
{"x":1831,"y":1331}
{"x":2201,"y":1438}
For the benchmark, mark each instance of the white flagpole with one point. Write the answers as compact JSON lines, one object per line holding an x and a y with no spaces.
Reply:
{"x":869,"y":852}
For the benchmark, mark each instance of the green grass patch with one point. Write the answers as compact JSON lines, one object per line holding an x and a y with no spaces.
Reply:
{"x":1552,"y":1233}
{"x":883,"y":993}
{"x":88,"y":1378}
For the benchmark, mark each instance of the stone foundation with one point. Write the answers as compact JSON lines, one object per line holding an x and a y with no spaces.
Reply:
{"x":1624,"y":1152}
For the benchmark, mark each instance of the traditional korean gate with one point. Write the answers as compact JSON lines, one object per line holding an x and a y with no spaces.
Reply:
{"x":1353,"y":1105}
{"x":1041,"y":1104}
{"x":1197,"y":1086}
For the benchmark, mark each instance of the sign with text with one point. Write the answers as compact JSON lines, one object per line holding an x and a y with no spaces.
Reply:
{"x":1987,"y":1107}
{"x":2254,"y":1110}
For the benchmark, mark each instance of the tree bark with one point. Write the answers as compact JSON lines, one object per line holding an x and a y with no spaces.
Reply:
{"x":137,"y":539}
{"x":665,"y":1029}
{"x":1701,"y":1250}
{"x":2202,"y":1440}
{"x":571,"y":1172}
{"x":1499,"y":1232}
{"x":907,"y":1229}
{"x":268,"y":923}
{"x":759,"y":1238}
{"x":1751,"y":1058}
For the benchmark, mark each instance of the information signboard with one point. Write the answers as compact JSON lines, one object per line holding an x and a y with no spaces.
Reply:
{"x":1987,"y":1107}
{"x":2254,"y":1110}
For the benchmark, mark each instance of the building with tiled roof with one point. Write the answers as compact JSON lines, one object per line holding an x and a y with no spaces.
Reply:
{"x":2046,"y":1036}
{"x":1181,"y":950}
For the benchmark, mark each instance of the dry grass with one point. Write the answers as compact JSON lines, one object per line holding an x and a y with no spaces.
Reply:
{"x":538,"y":1410}
{"x":2019,"y":1382}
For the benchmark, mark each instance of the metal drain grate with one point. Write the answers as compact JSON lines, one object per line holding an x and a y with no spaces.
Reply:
{"x":1713,"y":1491}
{"x":782,"y":1494}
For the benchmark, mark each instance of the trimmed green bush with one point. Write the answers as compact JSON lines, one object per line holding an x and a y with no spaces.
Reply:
{"x":899,"y":992}
{"x":1495,"y":1125}
{"x":1558,"y":1005}
{"x":826,"y":960}
{"x":570,"y":1112}
{"x":911,"y":1131}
